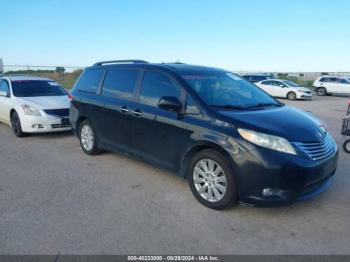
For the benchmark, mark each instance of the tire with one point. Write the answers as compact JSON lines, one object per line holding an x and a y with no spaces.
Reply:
{"x":292,"y":96}
{"x":88,"y":138}
{"x":346,"y":146}
{"x":321,"y":91}
{"x":16,"y":125}
{"x":221,"y":199}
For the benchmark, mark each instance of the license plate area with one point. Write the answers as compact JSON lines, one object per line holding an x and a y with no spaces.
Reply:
{"x":65,"y":121}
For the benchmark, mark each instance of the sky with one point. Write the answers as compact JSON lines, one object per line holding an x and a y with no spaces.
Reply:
{"x":239,"y":35}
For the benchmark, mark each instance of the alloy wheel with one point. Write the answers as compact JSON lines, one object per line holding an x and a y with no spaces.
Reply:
{"x":209,"y":180}
{"x":87,"y":137}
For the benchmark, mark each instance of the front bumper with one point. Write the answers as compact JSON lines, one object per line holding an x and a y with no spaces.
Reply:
{"x":44,"y":124}
{"x":304,"y":96}
{"x":286,"y":178}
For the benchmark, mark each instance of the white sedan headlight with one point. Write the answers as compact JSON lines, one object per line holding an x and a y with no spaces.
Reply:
{"x":269,"y":141}
{"x":30,"y":111}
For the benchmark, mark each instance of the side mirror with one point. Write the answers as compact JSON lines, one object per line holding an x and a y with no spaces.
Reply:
{"x":170,"y":103}
{"x":4,"y":94}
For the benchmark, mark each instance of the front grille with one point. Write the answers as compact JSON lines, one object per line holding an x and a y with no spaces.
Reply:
{"x":60,"y":125}
{"x":57,"y":112}
{"x":317,"y":150}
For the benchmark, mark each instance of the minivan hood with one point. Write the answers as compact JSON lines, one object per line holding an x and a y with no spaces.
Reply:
{"x":46,"y":102}
{"x":290,"y":123}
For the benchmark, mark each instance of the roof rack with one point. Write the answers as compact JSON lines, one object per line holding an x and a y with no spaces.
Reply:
{"x":121,"y":62}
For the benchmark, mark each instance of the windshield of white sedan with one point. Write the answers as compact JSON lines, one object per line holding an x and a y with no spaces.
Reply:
{"x":290,"y":83}
{"x":37,"y":88}
{"x":226,"y":90}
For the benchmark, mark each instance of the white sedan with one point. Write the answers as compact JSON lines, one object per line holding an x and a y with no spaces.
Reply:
{"x":285,"y":89}
{"x":33,"y":105}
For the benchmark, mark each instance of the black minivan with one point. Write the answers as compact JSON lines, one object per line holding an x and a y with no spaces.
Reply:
{"x":231,"y":140}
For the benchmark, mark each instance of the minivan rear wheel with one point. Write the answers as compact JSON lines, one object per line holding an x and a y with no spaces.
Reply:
{"x":211,"y":179}
{"x":88,"y":138}
{"x":321,"y":91}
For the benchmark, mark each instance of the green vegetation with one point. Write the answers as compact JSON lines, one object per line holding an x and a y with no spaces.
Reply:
{"x":306,"y":83}
{"x":59,"y":75}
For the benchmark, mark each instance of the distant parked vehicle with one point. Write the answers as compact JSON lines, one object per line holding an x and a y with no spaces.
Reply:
{"x":285,"y":89}
{"x":345,"y":131}
{"x":33,"y":105}
{"x":332,"y":85}
{"x":254,"y":78}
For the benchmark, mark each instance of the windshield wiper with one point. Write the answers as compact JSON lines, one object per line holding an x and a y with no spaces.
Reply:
{"x":265,"y":105}
{"x":228,"y":107}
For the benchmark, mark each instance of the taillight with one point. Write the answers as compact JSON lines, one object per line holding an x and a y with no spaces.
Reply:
{"x":70,"y":96}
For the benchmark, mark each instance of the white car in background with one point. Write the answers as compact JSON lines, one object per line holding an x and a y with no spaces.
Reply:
{"x":33,"y":105}
{"x":332,"y":85}
{"x":285,"y":89}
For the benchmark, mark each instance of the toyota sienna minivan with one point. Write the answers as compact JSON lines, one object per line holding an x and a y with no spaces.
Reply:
{"x":231,"y":140}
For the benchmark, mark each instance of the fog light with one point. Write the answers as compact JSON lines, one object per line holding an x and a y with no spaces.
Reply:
{"x":267,"y":192}
{"x":35,"y":126}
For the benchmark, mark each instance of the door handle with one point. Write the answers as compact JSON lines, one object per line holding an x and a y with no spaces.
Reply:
{"x":137,"y":112}
{"x":124,"y":109}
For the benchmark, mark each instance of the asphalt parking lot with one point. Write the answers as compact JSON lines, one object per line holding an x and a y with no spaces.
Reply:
{"x":55,"y":199}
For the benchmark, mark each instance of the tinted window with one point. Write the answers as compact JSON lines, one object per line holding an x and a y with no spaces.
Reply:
{"x":120,"y":83}
{"x":266,"y":83}
{"x":343,"y":81}
{"x":324,"y":79}
{"x":332,"y":79}
{"x":222,"y":89}
{"x":89,"y":81}
{"x":258,"y":78}
{"x":277,"y":83}
{"x":4,"y":86}
{"x":32,"y":88}
{"x":156,"y":85}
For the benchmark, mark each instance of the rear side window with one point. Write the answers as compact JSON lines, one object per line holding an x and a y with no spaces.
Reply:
{"x":120,"y":83}
{"x":89,"y":81}
{"x":156,"y":85}
{"x":258,"y":78}
{"x":332,"y":79}
{"x":266,"y":83}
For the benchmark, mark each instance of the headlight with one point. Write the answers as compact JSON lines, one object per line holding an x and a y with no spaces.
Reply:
{"x":272,"y":142}
{"x":30,"y":111}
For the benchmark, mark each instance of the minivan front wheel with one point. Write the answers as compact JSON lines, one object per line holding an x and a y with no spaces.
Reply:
{"x":211,"y":180}
{"x":88,"y":138}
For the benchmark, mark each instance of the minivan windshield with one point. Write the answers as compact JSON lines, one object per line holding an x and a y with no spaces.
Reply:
{"x":33,"y":88}
{"x":226,"y":90}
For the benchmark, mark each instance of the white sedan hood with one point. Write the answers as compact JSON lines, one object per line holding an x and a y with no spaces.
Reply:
{"x":300,"y":88}
{"x":46,"y":102}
